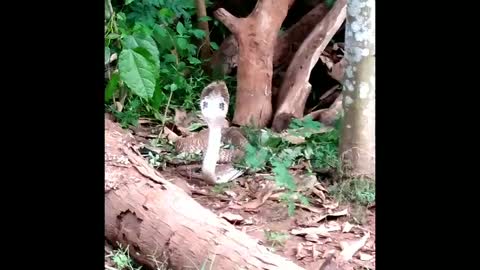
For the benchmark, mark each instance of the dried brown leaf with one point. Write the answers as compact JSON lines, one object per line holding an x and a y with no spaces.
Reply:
{"x":332,"y":205}
{"x":327,"y":61}
{"x":347,"y":227}
{"x":233,"y":218}
{"x":350,"y":248}
{"x":338,"y":70}
{"x":365,"y":256}
{"x":169,"y":134}
{"x":323,"y":230}
{"x":293,"y":139}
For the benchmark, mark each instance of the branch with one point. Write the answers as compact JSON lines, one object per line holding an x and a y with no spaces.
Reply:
{"x":230,"y":21}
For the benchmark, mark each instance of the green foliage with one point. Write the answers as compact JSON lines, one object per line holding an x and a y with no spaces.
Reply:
{"x":270,"y":151}
{"x":360,"y":191}
{"x":276,"y":238}
{"x":121,"y":259}
{"x":158,"y":63}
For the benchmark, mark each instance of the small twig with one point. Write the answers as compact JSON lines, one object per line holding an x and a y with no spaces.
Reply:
{"x":165,"y":114}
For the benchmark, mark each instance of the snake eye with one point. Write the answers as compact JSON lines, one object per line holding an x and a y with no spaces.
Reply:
{"x":222,"y":106}
{"x":205,"y":104}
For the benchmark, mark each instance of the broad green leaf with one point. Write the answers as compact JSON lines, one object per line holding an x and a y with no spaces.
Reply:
{"x":180,"y":28}
{"x":193,"y":60}
{"x":146,"y":42}
{"x":137,"y":73}
{"x":173,"y":87}
{"x":112,"y":86}
{"x":214,"y":45}
{"x":128,"y":2}
{"x":182,"y":43}
{"x":170,"y":58}
{"x":145,"y":53}
{"x":158,"y":98}
{"x":162,"y":37}
{"x":107,"y":55}
{"x":198,"y":33}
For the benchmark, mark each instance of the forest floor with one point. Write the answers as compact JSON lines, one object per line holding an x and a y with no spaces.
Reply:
{"x":328,"y":224}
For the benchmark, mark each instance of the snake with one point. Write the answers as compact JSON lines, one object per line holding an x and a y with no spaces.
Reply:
{"x":217,"y":161}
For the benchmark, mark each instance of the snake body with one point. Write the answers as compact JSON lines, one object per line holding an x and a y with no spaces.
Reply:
{"x":214,"y":101}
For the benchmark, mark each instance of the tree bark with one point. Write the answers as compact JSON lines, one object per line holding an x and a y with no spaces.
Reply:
{"x":159,"y":222}
{"x":289,"y":42}
{"x":295,"y":87}
{"x":256,"y":36}
{"x":357,"y":144}
{"x":205,"y":51}
{"x":226,"y":58}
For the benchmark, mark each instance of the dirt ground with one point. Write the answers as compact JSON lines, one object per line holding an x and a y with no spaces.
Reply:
{"x":253,"y":204}
{"x":241,"y":204}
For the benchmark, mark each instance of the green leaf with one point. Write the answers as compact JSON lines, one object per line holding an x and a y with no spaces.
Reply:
{"x":137,"y":73}
{"x":180,"y":28}
{"x":128,"y":2}
{"x":113,"y":36}
{"x":107,"y":55}
{"x":162,"y":37}
{"x":198,"y":33}
{"x":193,"y":60}
{"x":112,"y":86}
{"x":170,"y":58}
{"x":158,"y":98}
{"x":173,"y":87}
{"x":283,"y":176}
{"x":146,"y":42}
{"x":205,"y":19}
{"x":182,"y":43}
{"x":156,"y":63}
{"x":214,"y":45}
{"x":255,"y":158}
{"x":121,"y":16}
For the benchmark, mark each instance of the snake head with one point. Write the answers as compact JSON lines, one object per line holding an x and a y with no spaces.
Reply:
{"x":214,"y":101}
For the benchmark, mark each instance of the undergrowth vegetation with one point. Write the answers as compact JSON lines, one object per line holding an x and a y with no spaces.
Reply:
{"x":152,"y":62}
{"x":307,"y":142}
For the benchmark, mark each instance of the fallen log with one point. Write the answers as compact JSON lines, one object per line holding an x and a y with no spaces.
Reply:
{"x":295,"y":88}
{"x":159,"y":222}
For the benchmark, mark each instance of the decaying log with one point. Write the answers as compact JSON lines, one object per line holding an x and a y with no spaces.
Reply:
{"x":226,"y":58}
{"x":295,"y":88}
{"x":256,"y":36}
{"x":159,"y":222}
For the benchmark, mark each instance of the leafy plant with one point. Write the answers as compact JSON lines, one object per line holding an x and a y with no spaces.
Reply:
{"x":359,"y":190}
{"x":269,"y":151}
{"x":276,"y":238}
{"x":157,"y":48}
{"x":121,"y":259}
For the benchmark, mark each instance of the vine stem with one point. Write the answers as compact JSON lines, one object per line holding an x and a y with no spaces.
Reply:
{"x":165,"y":113}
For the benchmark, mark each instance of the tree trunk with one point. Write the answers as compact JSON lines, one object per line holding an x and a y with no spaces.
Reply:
{"x":205,"y":51}
{"x":159,"y":222}
{"x":357,"y":145}
{"x":226,"y":58}
{"x":289,"y":42}
{"x":256,"y":36}
{"x":295,"y":87}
